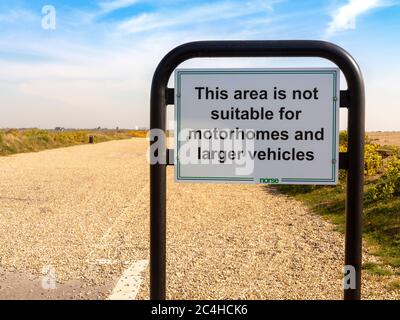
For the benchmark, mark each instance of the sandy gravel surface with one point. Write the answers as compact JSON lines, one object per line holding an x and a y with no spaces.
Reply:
{"x":81,"y":210}
{"x":84,"y":211}
{"x":247,"y":242}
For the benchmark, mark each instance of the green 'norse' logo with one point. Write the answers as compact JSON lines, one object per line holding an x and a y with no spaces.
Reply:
{"x":269,"y":180}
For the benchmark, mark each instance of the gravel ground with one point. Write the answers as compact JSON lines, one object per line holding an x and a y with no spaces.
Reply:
{"x":84,"y":211}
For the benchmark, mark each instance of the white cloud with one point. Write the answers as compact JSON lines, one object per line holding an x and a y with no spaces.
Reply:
{"x":110,"y":6}
{"x":17,"y":15}
{"x":345,"y":17}
{"x":103,"y":8}
{"x":198,"y":14}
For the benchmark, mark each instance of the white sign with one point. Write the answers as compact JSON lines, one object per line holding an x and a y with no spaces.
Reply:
{"x":274,"y":126}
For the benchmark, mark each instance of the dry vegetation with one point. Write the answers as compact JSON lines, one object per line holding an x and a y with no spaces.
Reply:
{"x":30,"y":140}
{"x":386,"y":137}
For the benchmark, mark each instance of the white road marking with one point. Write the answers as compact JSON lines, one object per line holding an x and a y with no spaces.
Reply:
{"x":103,"y":240}
{"x":128,"y":285}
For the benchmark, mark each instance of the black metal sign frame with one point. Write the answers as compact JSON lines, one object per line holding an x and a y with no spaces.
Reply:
{"x":353,"y":160}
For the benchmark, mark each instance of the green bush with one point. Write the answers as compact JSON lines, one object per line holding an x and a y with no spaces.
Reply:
{"x":342,"y":148}
{"x":388,"y":184}
{"x":373,"y":160}
{"x":343,"y":137}
{"x":372,"y":156}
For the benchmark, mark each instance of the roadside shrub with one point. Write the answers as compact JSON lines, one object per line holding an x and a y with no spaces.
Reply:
{"x":342,"y":172}
{"x":372,"y":157}
{"x":388,"y":185}
{"x":343,"y":137}
{"x":373,"y":160}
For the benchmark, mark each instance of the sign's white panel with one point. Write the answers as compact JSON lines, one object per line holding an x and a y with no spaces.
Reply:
{"x":277,"y":126}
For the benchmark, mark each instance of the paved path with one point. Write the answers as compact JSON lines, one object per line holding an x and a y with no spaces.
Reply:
{"x":80,"y":215}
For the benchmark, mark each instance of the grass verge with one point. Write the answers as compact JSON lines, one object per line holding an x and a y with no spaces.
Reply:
{"x":381,"y":220}
{"x":381,"y":215}
{"x":14,"y":141}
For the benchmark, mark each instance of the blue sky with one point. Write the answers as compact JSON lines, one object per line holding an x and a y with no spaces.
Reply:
{"x":95,"y":68}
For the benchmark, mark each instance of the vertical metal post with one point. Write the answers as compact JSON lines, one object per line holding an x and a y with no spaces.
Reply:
{"x":355,"y":183}
{"x":230,"y":49}
{"x":158,"y":196}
